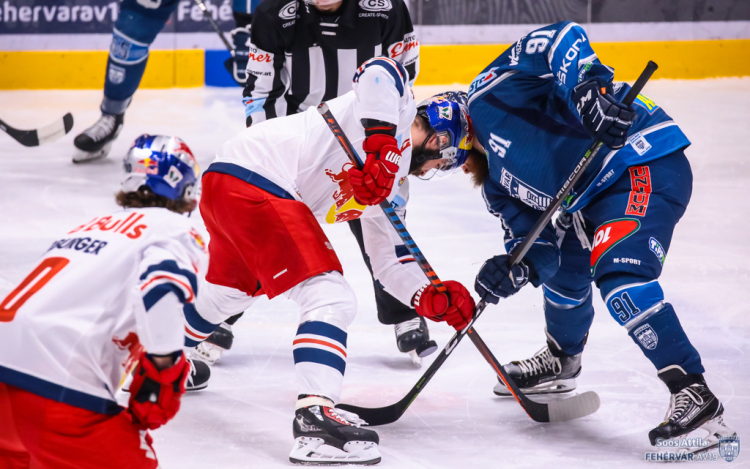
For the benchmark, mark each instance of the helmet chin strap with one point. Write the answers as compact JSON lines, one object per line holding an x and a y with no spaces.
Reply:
{"x":419,"y":154}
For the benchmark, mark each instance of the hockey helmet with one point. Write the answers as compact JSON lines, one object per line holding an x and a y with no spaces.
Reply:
{"x":163,"y":164}
{"x":448,"y":116}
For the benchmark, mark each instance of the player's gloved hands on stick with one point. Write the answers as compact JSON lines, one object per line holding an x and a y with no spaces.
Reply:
{"x":155,"y":394}
{"x":236,"y":65}
{"x":602,"y":116}
{"x":497,"y":279}
{"x":456,"y":308}
{"x":374,"y":182}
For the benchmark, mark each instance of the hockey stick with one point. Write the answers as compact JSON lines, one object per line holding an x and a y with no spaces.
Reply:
{"x":575,"y":407}
{"x":46,"y":134}
{"x":210,"y":19}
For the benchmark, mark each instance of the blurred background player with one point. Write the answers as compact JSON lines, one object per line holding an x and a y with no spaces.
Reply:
{"x":266,"y":240}
{"x":137,"y":25}
{"x":535,"y":111}
{"x":106,"y":298}
{"x":299,"y":54}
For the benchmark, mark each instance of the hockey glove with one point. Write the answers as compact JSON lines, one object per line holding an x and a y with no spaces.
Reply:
{"x":497,"y":279}
{"x":374,"y":182}
{"x":602,"y":116}
{"x":155,"y":394}
{"x":236,"y":65}
{"x":456,"y":308}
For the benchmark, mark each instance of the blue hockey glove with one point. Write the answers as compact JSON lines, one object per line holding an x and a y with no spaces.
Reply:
{"x":499,"y":279}
{"x":237,"y":64}
{"x":602,"y":116}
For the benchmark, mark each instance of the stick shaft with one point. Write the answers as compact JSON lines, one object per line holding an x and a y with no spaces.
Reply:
{"x":390,"y":213}
{"x":210,"y":19}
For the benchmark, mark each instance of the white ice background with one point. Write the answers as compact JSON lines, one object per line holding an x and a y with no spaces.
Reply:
{"x":244,"y":418}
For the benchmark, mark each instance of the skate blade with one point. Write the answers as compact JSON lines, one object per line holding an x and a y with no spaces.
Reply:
{"x":87,"y":156}
{"x":196,"y":388}
{"x":205,"y":352}
{"x":557,"y":386}
{"x":707,"y":434}
{"x":416,"y":359}
{"x":314,"y":452}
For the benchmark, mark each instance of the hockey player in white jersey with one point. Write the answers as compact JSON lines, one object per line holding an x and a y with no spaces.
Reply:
{"x":263,"y":199}
{"x":105,"y":299}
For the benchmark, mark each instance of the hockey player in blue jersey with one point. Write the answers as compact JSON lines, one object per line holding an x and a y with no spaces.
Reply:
{"x":534,"y":111}
{"x":137,"y":25}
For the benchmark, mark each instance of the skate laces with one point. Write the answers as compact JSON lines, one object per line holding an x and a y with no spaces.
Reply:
{"x":680,"y":402}
{"x":193,"y":371}
{"x":343,"y":416}
{"x":102,"y":128}
{"x":542,"y":361}
{"x":406,"y":326}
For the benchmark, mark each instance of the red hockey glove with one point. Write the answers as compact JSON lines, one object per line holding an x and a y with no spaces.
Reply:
{"x":456,"y":311}
{"x":374,"y":182}
{"x":155,"y":394}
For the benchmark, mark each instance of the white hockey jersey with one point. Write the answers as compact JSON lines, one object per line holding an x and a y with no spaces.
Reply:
{"x":101,"y":294}
{"x":300,"y":155}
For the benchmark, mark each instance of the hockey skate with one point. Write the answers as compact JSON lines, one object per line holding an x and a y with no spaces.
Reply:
{"x":210,"y":350}
{"x":413,"y":337}
{"x":199,"y":375}
{"x":332,"y":437}
{"x":549,"y":371}
{"x":96,"y":141}
{"x":695,"y":413}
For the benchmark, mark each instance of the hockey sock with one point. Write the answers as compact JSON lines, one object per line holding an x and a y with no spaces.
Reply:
{"x":664,"y":342}
{"x":135,"y":29}
{"x":569,"y":316}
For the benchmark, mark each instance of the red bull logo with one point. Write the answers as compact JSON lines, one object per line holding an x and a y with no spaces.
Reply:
{"x":147,"y":165}
{"x":345,"y":207}
{"x":132,"y":345}
{"x":198,"y":240}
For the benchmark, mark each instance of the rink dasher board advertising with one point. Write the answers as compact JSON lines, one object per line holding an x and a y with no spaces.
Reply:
{"x":99,"y":16}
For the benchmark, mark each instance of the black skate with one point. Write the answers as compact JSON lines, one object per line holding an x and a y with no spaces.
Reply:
{"x":199,"y":375}
{"x":327,"y":436}
{"x":210,"y":350}
{"x":413,"y":337}
{"x":549,"y":371}
{"x":96,"y":141}
{"x":693,"y":409}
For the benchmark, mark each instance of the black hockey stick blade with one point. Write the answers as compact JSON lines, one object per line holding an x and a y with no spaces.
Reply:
{"x":46,"y":134}
{"x":574,"y":407}
{"x":375,"y":416}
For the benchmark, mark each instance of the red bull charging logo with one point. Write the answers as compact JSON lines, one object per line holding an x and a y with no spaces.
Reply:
{"x":345,"y":207}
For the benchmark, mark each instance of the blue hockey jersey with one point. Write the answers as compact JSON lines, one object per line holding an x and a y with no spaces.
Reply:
{"x":522,"y":114}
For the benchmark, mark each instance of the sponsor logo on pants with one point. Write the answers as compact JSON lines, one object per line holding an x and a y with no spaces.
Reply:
{"x":640,"y":191}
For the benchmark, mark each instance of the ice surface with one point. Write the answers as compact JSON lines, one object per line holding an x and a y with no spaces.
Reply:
{"x":244,"y":418}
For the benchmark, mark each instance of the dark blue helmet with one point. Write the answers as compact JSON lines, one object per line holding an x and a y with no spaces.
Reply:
{"x":448,"y":116}
{"x":163,"y":164}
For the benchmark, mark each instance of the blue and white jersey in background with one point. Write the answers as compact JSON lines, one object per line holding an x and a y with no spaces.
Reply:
{"x":522,"y":114}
